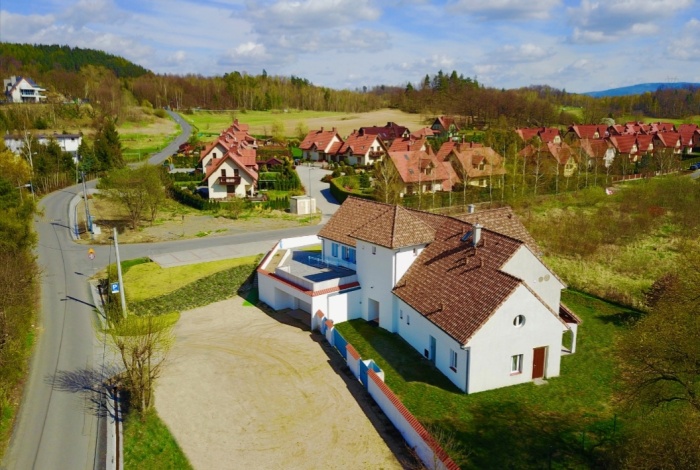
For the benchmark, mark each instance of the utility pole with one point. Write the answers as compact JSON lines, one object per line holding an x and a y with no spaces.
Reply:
{"x":119,"y":274}
{"x":88,"y":222}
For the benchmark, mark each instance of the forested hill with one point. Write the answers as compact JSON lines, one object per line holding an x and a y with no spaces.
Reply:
{"x":25,"y":59}
{"x":643,"y":88}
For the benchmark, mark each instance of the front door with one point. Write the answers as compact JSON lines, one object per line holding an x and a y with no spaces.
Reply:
{"x":539,"y":355}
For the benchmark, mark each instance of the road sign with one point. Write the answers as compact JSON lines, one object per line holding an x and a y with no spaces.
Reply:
{"x":91,"y":253}
{"x":115,"y":288}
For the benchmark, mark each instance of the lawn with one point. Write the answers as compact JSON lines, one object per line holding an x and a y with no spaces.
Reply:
{"x":563,"y":423}
{"x":149,"y":280}
{"x":148,"y":444}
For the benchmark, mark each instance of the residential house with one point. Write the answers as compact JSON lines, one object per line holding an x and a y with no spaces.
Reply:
{"x":69,"y":143}
{"x":545,"y":134}
{"x":473,"y":164}
{"x":594,"y":153}
{"x":387,"y":133}
{"x":420,"y":171}
{"x":687,"y":133}
{"x":668,"y":140}
{"x":554,"y":156}
{"x":22,"y":90}
{"x":445,"y":127}
{"x":321,"y":145}
{"x":587,"y":131}
{"x":362,"y":149}
{"x":476,"y":302}
{"x":229,"y":163}
{"x":408,"y":144}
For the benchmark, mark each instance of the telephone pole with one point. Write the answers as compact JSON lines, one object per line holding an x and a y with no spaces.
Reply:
{"x":119,"y":274}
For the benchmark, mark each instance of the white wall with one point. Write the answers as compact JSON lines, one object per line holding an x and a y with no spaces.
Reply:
{"x":218,"y":150}
{"x":524,"y":265}
{"x":375,"y":272}
{"x":492,"y":347}
{"x":218,"y":191}
{"x":417,"y":333}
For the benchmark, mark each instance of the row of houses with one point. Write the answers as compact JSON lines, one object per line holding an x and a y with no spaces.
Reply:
{"x":67,"y":142}
{"x":471,"y":293}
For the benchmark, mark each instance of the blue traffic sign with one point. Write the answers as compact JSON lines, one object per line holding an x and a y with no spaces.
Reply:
{"x":115,"y":288}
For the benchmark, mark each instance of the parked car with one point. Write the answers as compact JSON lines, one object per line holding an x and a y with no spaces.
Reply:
{"x":202,"y":192}
{"x":695,"y":166}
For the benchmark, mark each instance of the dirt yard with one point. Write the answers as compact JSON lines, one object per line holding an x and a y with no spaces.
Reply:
{"x":249,"y":389}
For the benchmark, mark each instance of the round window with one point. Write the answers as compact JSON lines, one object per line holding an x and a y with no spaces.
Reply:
{"x":519,"y":321}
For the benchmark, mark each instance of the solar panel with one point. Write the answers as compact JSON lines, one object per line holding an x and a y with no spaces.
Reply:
{"x":466,"y":237}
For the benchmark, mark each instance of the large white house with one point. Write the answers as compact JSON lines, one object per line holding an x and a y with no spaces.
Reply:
{"x":475,"y":300}
{"x":22,"y":90}
{"x":67,"y":142}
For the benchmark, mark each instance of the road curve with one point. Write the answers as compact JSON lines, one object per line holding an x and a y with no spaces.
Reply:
{"x":171,"y":148}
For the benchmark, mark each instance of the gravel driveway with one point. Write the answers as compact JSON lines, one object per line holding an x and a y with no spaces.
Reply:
{"x":249,"y":389}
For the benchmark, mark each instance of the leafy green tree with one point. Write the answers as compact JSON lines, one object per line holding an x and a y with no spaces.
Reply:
{"x":364,"y":180}
{"x":301,"y":130}
{"x":278,"y":132}
{"x":138,"y":190}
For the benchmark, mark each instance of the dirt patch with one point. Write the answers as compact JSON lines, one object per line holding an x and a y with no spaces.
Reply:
{"x":176,"y":222}
{"x":347,"y":124}
{"x":246,"y":389}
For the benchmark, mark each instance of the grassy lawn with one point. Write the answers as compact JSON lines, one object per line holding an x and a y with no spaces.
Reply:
{"x":524,"y":426}
{"x":149,"y":280}
{"x":148,"y":444}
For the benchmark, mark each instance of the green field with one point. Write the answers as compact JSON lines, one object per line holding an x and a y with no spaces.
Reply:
{"x":148,"y":444}
{"x":565,"y":423}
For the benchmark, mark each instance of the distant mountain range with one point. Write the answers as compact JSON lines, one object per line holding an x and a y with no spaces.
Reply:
{"x":640,"y":89}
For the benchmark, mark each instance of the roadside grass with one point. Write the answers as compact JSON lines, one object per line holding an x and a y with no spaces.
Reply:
{"x":149,"y":444}
{"x":146,"y":280}
{"x":138,"y":147}
{"x":203,"y":291}
{"x":564,"y":423}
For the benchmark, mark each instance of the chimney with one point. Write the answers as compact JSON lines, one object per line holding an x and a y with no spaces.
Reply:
{"x":471,"y":208}
{"x":477,"y":233}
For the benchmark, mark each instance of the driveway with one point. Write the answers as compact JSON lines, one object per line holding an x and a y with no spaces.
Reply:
{"x":249,"y":389}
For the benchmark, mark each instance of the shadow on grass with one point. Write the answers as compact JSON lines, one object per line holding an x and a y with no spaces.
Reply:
{"x":393,"y":351}
{"x":509,"y":435}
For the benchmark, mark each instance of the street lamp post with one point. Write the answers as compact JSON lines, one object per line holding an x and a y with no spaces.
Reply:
{"x":308,"y":191}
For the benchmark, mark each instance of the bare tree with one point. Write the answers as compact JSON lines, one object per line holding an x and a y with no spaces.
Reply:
{"x":142,"y":344}
{"x":387,"y":181}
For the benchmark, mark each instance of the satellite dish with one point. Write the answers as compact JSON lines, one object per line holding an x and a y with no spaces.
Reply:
{"x":466,"y":237}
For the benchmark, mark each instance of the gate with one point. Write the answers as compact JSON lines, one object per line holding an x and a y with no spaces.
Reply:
{"x":340,"y":343}
{"x":364,"y":367}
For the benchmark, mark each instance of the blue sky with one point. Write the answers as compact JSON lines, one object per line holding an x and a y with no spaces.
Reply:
{"x":581,"y":45}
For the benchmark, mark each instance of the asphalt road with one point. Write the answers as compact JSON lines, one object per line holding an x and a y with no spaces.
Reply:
{"x":172,"y":147}
{"x":58,"y":420}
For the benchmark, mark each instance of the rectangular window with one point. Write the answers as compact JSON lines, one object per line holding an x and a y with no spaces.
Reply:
{"x":401,"y":314}
{"x":345,"y":253}
{"x":353,"y":258}
{"x":408,"y":319}
{"x":453,"y":360}
{"x":415,"y":252}
{"x":374,"y":250}
{"x":516,"y":364}
{"x":334,"y":250}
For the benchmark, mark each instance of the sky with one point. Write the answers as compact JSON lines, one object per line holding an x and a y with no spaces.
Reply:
{"x":577,"y":45}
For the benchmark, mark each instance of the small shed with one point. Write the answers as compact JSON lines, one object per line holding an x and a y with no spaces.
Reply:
{"x":302,"y":205}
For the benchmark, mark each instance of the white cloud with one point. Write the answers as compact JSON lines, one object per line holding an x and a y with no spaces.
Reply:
{"x":13,"y":27}
{"x":311,"y":14}
{"x":248,"y":53}
{"x":600,"y":21}
{"x":521,"y":53}
{"x":85,"y":12}
{"x":686,"y":44}
{"x":506,"y":9}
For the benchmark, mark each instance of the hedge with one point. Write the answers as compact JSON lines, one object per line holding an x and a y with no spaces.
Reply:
{"x":341,"y":194}
{"x":189,"y":199}
{"x":180,"y":177}
{"x":281,"y":203}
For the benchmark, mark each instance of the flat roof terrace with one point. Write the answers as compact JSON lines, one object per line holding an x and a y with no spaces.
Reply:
{"x":309,"y":270}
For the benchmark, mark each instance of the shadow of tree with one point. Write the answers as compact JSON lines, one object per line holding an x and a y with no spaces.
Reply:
{"x":95,"y":386}
{"x":510,"y":435}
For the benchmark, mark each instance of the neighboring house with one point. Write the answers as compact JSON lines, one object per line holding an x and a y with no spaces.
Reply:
{"x":229,"y":163}
{"x":545,"y":134}
{"x":687,"y":133}
{"x":555,"y":153}
{"x":362,"y":149}
{"x":587,"y":131}
{"x":626,"y":149}
{"x":668,"y":140}
{"x":408,"y":144}
{"x":420,"y":172}
{"x":321,"y":145}
{"x":69,"y":143}
{"x":475,"y":301}
{"x":472,"y":164}
{"x":445,"y":127}
{"x":387,"y":133}
{"x":594,"y":152}
{"x":22,"y":90}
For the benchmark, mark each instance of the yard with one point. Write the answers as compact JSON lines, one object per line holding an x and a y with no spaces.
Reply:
{"x":564,"y":423}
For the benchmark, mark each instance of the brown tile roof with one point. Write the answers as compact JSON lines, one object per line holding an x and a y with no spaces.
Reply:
{"x":319,"y":139}
{"x":470,"y":157}
{"x":357,"y":144}
{"x":396,"y":228}
{"x":594,"y":148}
{"x":546,"y":134}
{"x":407,"y":144}
{"x":353,"y":214}
{"x":471,"y":284}
{"x":410,"y":165}
{"x":503,"y":220}
{"x":445,"y":149}
{"x":387,"y":133}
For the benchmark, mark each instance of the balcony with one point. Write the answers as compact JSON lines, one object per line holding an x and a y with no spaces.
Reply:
{"x":375,"y":155}
{"x":230,"y":180}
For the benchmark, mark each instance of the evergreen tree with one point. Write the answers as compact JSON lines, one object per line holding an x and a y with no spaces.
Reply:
{"x":107,"y":148}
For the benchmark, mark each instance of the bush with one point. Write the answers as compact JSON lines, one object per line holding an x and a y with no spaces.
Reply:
{"x":341,"y":194}
{"x":192,"y":200}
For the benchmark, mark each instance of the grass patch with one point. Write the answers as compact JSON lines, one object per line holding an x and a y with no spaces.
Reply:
{"x":149,"y":444}
{"x":149,"y":280}
{"x":203,"y":291}
{"x":570,"y":420}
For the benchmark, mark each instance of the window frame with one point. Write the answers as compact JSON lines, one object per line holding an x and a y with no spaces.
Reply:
{"x":334,"y":250}
{"x":516,"y":364}
{"x":453,"y":360}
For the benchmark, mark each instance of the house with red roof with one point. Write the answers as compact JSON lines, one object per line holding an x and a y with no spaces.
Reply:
{"x":687,"y":133}
{"x":362,"y":149}
{"x":470,"y":294}
{"x":445,"y":126}
{"x":545,"y":134}
{"x":408,"y":144}
{"x":473,"y":164}
{"x":420,"y":171}
{"x":229,"y":163}
{"x":321,"y":145}
{"x":554,"y":157}
{"x":386,"y":133}
{"x":22,"y":90}
{"x":668,"y":140}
